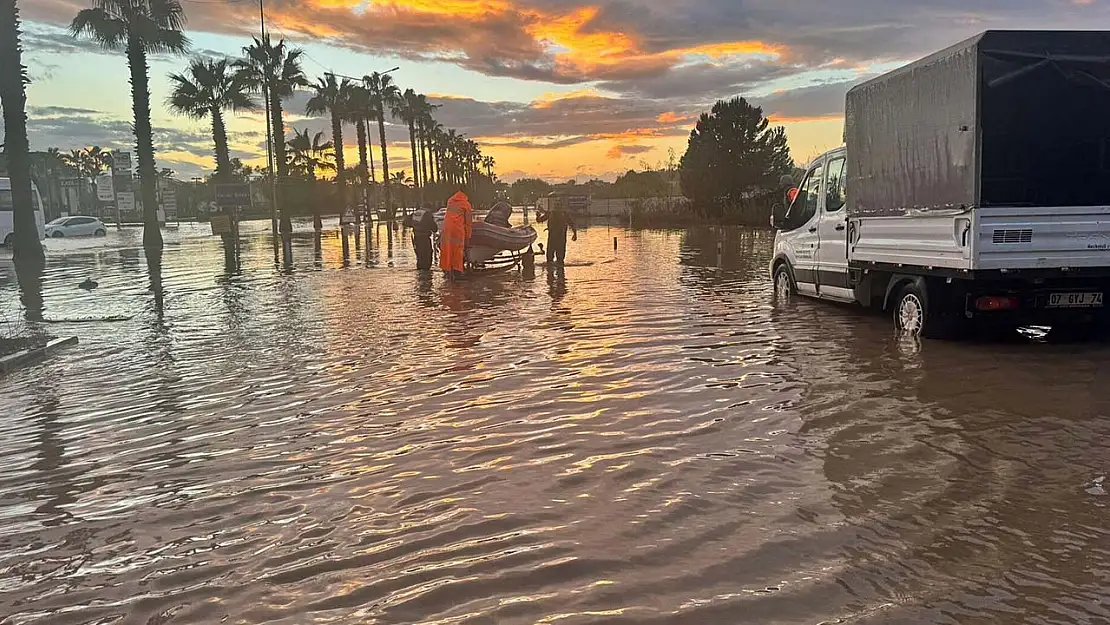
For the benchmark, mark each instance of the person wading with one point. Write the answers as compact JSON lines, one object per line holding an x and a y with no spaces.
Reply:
{"x":422,"y":232}
{"x":558,"y":221}
{"x":456,"y":235}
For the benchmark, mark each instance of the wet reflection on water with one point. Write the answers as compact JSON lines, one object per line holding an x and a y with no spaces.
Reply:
{"x":642,"y":437}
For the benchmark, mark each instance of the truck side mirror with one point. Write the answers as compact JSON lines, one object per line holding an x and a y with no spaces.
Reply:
{"x":778,"y":216}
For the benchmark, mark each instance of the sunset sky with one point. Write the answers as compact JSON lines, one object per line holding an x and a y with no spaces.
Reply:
{"x":551,"y":88}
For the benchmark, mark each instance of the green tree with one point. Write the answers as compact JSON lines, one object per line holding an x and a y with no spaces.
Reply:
{"x":413,"y":109}
{"x":383,"y":94}
{"x":275,"y":70}
{"x":209,"y":89}
{"x":332,"y":96}
{"x":733,"y":155}
{"x":139,"y":28}
{"x":27,"y":250}
{"x":527,"y":190}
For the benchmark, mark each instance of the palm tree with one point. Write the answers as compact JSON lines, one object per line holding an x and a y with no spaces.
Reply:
{"x":383,"y":93}
{"x":138,"y":27}
{"x":488,"y":162}
{"x":407,"y":109}
{"x":424,"y":121}
{"x":209,"y":89}
{"x":13,"y":98}
{"x":276,"y":71}
{"x":309,"y":154}
{"x":333,"y":97}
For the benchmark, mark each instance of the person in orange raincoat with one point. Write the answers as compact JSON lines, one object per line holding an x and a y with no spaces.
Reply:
{"x":456,"y":234}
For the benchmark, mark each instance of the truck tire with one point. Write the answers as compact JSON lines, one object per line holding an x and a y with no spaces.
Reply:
{"x":9,"y":240}
{"x":916,"y":315}
{"x":784,"y":282}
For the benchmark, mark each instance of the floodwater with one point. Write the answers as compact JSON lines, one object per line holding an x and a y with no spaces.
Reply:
{"x":646,"y":437}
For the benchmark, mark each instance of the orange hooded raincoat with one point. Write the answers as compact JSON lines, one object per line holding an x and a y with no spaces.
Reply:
{"x":456,"y":233}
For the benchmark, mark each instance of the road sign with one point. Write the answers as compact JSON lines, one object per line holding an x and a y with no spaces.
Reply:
{"x":105,"y":189}
{"x":169,"y":204}
{"x":125,"y":201}
{"x":237,"y":195}
{"x":72,"y":183}
{"x":121,"y":161}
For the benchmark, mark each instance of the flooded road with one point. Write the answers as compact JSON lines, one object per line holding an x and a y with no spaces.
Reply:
{"x":645,"y":438}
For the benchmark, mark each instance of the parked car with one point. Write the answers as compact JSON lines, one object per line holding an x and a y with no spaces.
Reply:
{"x":6,"y":215}
{"x":78,"y":226}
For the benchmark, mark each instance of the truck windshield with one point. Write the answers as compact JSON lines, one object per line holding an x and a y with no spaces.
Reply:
{"x":6,"y":203}
{"x":1045,"y":130}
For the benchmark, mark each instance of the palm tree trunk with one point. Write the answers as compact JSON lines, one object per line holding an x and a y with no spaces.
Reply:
{"x":385,"y":163}
{"x":340,"y":168}
{"x":423,"y":159}
{"x":219,"y":136}
{"x":144,"y":137}
{"x":25,"y":238}
{"x":415,"y":162}
{"x":363,"y":173}
{"x":281,"y":168}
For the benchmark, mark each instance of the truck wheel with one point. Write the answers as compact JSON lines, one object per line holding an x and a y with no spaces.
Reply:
{"x":784,"y":283}
{"x":911,"y":314}
{"x":915,"y":315}
{"x":9,"y":240}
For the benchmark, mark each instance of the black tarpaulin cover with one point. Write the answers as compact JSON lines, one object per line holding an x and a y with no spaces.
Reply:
{"x":1005,"y":118}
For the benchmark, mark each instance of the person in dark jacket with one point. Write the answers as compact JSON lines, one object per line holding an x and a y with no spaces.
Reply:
{"x":558,"y":220}
{"x":422,"y":232}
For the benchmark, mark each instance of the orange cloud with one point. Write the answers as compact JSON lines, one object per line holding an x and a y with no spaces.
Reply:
{"x":673,"y":118}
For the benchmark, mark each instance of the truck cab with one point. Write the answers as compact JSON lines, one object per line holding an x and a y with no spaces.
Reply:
{"x":811,"y":251}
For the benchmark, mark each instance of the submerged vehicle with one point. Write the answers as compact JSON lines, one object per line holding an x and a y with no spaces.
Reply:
{"x":974,"y":188}
{"x":7,"y":212}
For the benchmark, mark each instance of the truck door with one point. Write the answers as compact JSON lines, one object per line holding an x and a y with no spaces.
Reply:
{"x":832,"y":250}
{"x":804,"y":218}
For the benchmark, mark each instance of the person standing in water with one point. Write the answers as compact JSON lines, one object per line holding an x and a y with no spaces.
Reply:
{"x":456,"y":235}
{"x":558,"y":220}
{"x":422,"y":231}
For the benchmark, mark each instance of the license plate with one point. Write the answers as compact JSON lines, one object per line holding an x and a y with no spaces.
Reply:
{"x":1075,"y":300}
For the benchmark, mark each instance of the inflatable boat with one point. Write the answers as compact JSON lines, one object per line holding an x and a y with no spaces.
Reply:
{"x":494,"y":234}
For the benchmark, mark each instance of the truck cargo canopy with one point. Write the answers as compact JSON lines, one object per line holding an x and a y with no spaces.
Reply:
{"x":1007,"y":118}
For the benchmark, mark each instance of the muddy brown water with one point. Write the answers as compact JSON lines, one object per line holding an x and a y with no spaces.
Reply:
{"x":648,"y":438}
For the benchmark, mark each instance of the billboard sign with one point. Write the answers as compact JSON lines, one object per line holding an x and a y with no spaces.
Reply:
{"x":235,"y":195}
{"x":121,"y":161}
{"x":105,"y":188}
{"x":125,"y":201}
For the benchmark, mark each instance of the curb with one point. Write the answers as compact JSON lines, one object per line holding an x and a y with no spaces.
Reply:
{"x":19,"y":359}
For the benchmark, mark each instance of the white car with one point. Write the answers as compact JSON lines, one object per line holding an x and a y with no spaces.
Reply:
{"x":78,"y":226}
{"x":6,"y":225}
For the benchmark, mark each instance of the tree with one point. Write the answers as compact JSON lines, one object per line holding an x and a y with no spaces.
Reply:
{"x":488,"y":162}
{"x":139,"y":28}
{"x":276,"y":71}
{"x":383,"y":94}
{"x":733,"y":155}
{"x":527,"y":190}
{"x":333,"y":97}
{"x":413,"y":109}
{"x":424,"y":122}
{"x":209,"y":89}
{"x":27,"y":250}
{"x":309,"y":154}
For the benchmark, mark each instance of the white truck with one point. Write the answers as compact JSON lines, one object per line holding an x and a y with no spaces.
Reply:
{"x":974,"y":188}
{"x":7,"y":216}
